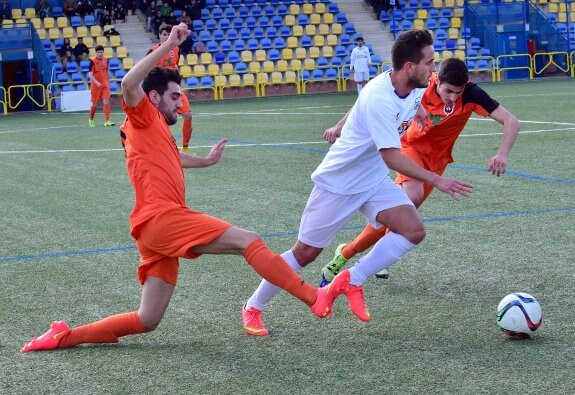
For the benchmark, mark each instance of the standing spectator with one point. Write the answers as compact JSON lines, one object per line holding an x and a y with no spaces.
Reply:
{"x":150,"y":12}
{"x":195,"y":10}
{"x":84,"y":7}
{"x":5,"y":10}
{"x":171,"y":19}
{"x":119,"y":13}
{"x":43,"y":9}
{"x":70,"y":8}
{"x":81,"y":51}
{"x":360,"y":63}
{"x":105,"y":18}
{"x":65,"y":53}
{"x":100,"y":86}
{"x":158,"y":20}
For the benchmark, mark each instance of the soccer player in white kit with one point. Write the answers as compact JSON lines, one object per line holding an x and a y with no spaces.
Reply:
{"x":354,"y":177}
{"x":360,"y":63}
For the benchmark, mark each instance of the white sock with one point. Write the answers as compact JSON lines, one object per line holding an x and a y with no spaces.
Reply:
{"x":266,"y":290}
{"x":359,"y":86}
{"x":384,"y":253}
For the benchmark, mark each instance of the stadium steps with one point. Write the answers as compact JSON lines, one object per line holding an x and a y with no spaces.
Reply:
{"x":135,"y":37}
{"x":373,"y":31}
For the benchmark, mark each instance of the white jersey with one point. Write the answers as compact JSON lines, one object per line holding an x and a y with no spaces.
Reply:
{"x":377,"y":120}
{"x":360,"y":59}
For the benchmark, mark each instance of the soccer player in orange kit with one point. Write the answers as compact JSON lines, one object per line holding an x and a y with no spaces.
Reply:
{"x":99,"y":86}
{"x":449,"y":101}
{"x":171,"y":60}
{"x":163,"y":226}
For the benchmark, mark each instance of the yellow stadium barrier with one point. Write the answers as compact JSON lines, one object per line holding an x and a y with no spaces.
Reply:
{"x":491,"y":69}
{"x":27,"y":92}
{"x":572,"y":61}
{"x":551,"y":59}
{"x":3,"y":100}
{"x":516,"y":56}
{"x":324,"y":78}
{"x":51,"y":96}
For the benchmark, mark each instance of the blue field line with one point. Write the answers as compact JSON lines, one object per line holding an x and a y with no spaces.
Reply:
{"x":288,"y":234}
{"x":516,"y":174}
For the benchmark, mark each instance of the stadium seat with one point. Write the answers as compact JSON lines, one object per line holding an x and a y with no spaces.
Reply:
{"x":219,"y":57}
{"x":199,"y":70}
{"x":253,"y":44}
{"x":63,"y":77}
{"x":219,"y":35}
{"x":247,"y":56}
{"x":239,"y":45}
{"x":75,"y":21}
{"x":62,"y":22}
{"x":258,"y":32}
{"x":327,"y":51}
{"x":192,"y":59}
{"x":225,"y":45}
{"x":306,"y":41}
{"x":264,"y":21}
{"x":287,"y":54}
{"x":212,"y":46}
{"x":300,"y":53}
{"x":77,"y":77}
{"x":72,"y":67}
{"x":127,"y":63}
{"x":271,"y":32}
{"x":227,"y":69}
{"x":266,"y":43}
{"x":233,"y":57}
{"x":225,"y":23}
{"x":274,"y":54}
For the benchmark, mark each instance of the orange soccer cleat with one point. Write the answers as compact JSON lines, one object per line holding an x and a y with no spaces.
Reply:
{"x":356,"y":302}
{"x":253,"y":323}
{"x":326,"y":295}
{"x":49,"y":340}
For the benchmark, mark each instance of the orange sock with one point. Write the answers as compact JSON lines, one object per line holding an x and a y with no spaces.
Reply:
{"x":368,"y":237}
{"x":274,"y":269}
{"x":107,"y":330}
{"x":92,"y":112}
{"x":186,"y":132}
{"x":107,"y":112}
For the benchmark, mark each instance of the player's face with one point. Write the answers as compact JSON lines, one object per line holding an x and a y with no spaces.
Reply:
{"x":164,"y":36}
{"x":170,"y":103}
{"x":360,"y":44}
{"x":421,"y":72}
{"x":449,"y":93}
{"x":99,"y":54}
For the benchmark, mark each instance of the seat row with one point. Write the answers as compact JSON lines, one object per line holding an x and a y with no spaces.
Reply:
{"x":264,"y":21}
{"x":267,"y":10}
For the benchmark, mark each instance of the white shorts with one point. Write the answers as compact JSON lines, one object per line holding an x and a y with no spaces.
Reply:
{"x":359,"y":76}
{"x":326,"y":213}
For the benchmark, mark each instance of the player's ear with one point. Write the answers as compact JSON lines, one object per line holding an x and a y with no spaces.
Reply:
{"x":155,"y":97}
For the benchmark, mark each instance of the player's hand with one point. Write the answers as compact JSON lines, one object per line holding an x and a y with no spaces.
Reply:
{"x":497,"y":165}
{"x":419,"y":118}
{"x":331,"y":134}
{"x":454,"y":188}
{"x":179,"y":34}
{"x":99,"y":85}
{"x":216,"y":152}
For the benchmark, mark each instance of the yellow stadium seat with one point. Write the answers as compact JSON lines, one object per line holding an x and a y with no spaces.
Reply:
{"x":181,"y":61}
{"x":206,"y":58}
{"x":255,"y":67}
{"x":192,"y":59}
{"x":73,"y":42}
{"x":328,"y":18}
{"x":453,"y":33}
{"x":292,"y":42}
{"x":437,"y":57}
{"x":323,"y":29}
{"x":282,"y":65}
{"x":309,"y":64}
{"x":327,"y":51}
{"x":95,"y":31}
{"x":319,"y":41}
{"x":320,"y":8}
{"x":449,"y":3}
{"x":562,"y":17}
{"x":121,"y":52}
{"x":418,"y":24}
{"x":247,"y":56}
{"x":234,"y":80}
{"x":268,"y":66}
{"x":89,"y":41}
{"x":446,"y":54}
{"x":16,"y":13}
{"x":438,"y":4}
{"x":213,"y":69}
{"x":459,"y":3}
{"x":186,"y":71}
{"x":199,"y":70}
{"x":102,"y":40}
{"x":262,"y":78}
{"x":458,"y":12}
{"x":294,"y":9}
{"x":289,"y":20}
{"x":220,"y":80}
{"x":300,"y":53}
{"x":81,"y":31}
{"x":295,"y":64}
{"x":562,"y":8}
{"x":7,"y":23}
{"x":127,"y":63}
{"x":310,"y":30}
{"x":41,"y":33}
{"x":227,"y":68}
{"x":68,"y":32}
{"x":108,"y":52}
{"x":456,"y":22}
{"x":421,"y":14}
{"x":315,"y":19}
{"x":336,"y":28}
{"x":108,"y":27}
{"x":331,"y":39}
{"x":29,"y":13}
{"x":49,"y":23}
{"x":277,"y":77}
{"x":460,"y":54}
{"x":307,"y":8}
{"x":62,"y":21}
{"x":287,"y":53}
{"x":115,"y":41}
{"x":297,"y":31}
{"x":261,"y":55}
{"x":21,"y":22}
{"x":54,"y":33}
{"x":36,"y":22}
{"x":290,"y":76}
{"x":249,"y":79}
{"x":314,"y":52}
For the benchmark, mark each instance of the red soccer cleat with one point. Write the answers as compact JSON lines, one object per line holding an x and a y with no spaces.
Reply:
{"x":326,"y":295}
{"x":49,"y":340}
{"x":253,"y":323}
{"x":356,"y":302}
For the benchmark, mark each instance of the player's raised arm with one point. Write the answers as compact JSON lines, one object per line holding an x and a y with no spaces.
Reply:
{"x":498,"y":164}
{"x":131,"y":89}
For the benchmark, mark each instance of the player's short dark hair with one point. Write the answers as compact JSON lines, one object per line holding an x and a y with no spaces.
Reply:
{"x":158,"y":79}
{"x":453,"y":71}
{"x":408,"y":47}
{"x":99,"y":48}
{"x":165,"y":28}
{"x":359,"y":38}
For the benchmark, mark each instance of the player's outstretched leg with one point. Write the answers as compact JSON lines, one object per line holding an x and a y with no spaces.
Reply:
{"x":356,"y":300}
{"x":331,"y":270}
{"x":49,"y":340}
{"x":326,"y":295}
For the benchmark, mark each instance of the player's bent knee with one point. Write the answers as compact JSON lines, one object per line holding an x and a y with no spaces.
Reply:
{"x":305,"y":254}
{"x":415,"y":235}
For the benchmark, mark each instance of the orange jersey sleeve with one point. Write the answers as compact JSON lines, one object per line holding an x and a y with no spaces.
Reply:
{"x":99,"y":69}
{"x":153,"y":163}
{"x":169,"y":60}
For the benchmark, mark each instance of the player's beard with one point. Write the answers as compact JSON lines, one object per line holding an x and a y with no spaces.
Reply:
{"x":170,"y":117}
{"x":416,"y":81}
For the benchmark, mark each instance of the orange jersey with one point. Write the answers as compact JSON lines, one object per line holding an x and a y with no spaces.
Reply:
{"x":444,"y":124}
{"x":153,"y":163}
{"x":99,"y":70}
{"x":170,"y":60}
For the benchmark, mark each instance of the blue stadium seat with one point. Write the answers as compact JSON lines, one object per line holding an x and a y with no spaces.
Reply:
{"x":269,"y":10}
{"x":256,"y":11}
{"x":322,"y":62}
{"x":72,"y":67}
{"x":212,"y":46}
{"x":285,"y":31}
{"x":243,"y":12}
{"x":47,"y":44}
{"x":119,"y":74}
{"x":271,"y":32}
{"x":431,"y":23}
{"x":306,"y":41}
{"x":207,"y":81}
{"x":440,"y":34}
{"x":472,"y":53}
{"x":230,"y":12}
{"x":376,"y":59}
{"x":205,"y":35}
{"x":114,"y":64}
{"x":425,"y":4}
{"x":68,"y":88}
{"x":332,"y":8}
{"x":58,"y":43}
{"x":89,"y":20}
{"x":349,"y":28}
{"x":394,"y":26}
{"x":302,"y":19}
{"x":485,"y":52}
{"x":317,"y":74}
{"x":253,"y":44}
{"x":475,"y":43}
{"x":439,"y":45}
{"x":282,"y":10}
{"x":210,"y":3}
{"x":225,"y":23}
{"x":85,"y":66}
{"x":220,"y":57}
{"x":345,"y":39}
{"x":336,"y":61}
{"x":413,"y":4}
{"x":470,"y":64}
{"x":259,"y":32}
{"x":279,"y":43}
{"x":114,"y":87}
{"x":236,"y":3}
{"x":52,"y":56}
{"x":225,"y":45}
{"x":197,"y":25}
{"x":410,"y":14}
{"x":205,"y":13}
{"x":77,"y":77}
{"x":340,"y":51}
{"x":446,"y":13}
{"x":264,"y":21}
{"x":266,"y":43}
{"x":251,"y":22}
{"x":241,"y":67}
{"x":233,"y":57}
{"x":239,"y":45}
{"x":444,"y":23}
{"x":450,"y":44}
{"x":217,"y":13}
{"x":245,"y":33}
{"x":466,"y":33}
{"x":81,"y":87}
{"x":192,"y":82}
{"x":274,"y":54}
{"x":249,"y":3}
{"x":57,"y":11}
{"x":58,"y":68}
{"x":340,"y":17}
{"x":63,"y":77}
{"x":277,"y":21}
{"x":211,"y":24}
{"x":237,"y":23}
{"x":482,"y":64}
{"x":219,"y":35}
{"x":384,"y":17}
{"x":433,"y":13}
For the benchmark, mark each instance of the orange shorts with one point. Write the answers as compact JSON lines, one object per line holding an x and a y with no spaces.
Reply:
{"x":170,"y":235}
{"x":99,"y":93}
{"x":185,"y":104}
{"x":421,"y":161}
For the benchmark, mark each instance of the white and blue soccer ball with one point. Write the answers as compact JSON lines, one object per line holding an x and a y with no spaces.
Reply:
{"x":519,"y":315}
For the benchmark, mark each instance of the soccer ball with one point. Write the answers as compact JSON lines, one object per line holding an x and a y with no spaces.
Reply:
{"x":519,"y":315}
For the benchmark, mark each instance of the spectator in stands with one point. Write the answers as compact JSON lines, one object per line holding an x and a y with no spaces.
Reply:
{"x":105,"y":18}
{"x":390,"y":5}
{"x":81,"y":51}
{"x":43,"y":9}
{"x":119,"y":13}
{"x":150,"y":12}
{"x":158,"y":20}
{"x":84,"y":7}
{"x":6,"y":10}
{"x":98,"y":9}
{"x":65,"y":53}
{"x":70,"y":8}
{"x":171,"y":19}
{"x":165,"y":9}
{"x":129,"y":6}
{"x":195,"y":10}
{"x":185,"y":18}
